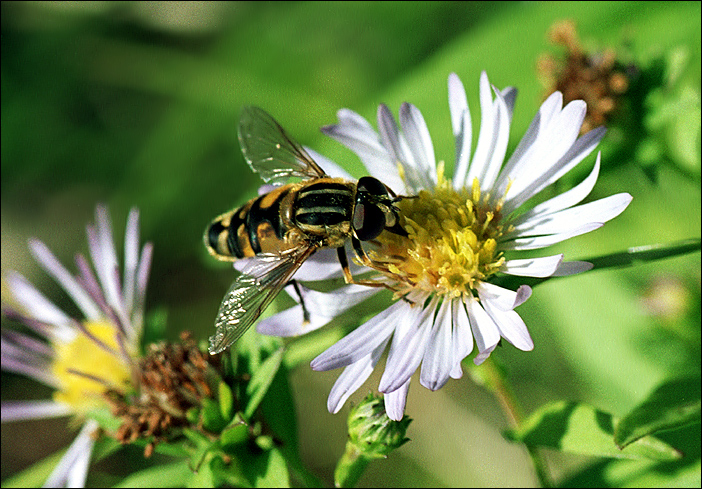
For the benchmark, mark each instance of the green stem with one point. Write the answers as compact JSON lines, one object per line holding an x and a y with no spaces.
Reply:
{"x":497,"y":382}
{"x":350,"y":467}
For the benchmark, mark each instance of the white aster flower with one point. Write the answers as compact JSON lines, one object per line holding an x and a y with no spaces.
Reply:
{"x":460,"y":232}
{"x":81,"y":358}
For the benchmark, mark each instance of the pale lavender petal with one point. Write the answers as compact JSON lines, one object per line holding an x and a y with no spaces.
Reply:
{"x":362,"y":340}
{"x":395,"y":402}
{"x":329,"y":166}
{"x":26,"y":410}
{"x":142,"y":280}
{"x":544,"y":266}
{"x":54,"y":268}
{"x":353,"y":377}
{"x":438,"y":360}
{"x":406,"y":354}
{"x":131,"y":258}
{"x":72,"y":469}
{"x":572,"y":268}
{"x":35,"y":303}
{"x":484,"y":330}
{"x":418,"y":139}
{"x":107,"y":267}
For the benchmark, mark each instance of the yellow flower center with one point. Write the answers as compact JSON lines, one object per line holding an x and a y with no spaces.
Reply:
{"x":81,"y":362}
{"x":451,"y":242}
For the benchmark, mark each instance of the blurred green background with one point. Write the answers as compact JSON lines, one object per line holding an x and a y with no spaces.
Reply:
{"x":136,"y":104}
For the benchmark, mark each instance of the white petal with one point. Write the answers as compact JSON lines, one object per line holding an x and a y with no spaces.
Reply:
{"x":290,"y":322}
{"x":322,"y":307}
{"x":509,"y":94}
{"x":329,"y":167}
{"x":462,"y":336}
{"x":54,"y":268}
{"x":484,"y":330}
{"x":510,"y":324}
{"x":525,"y":148}
{"x":406,"y":354}
{"x":362,"y":139}
{"x":418,"y":139}
{"x":462,"y":128}
{"x":544,"y":266}
{"x":566,"y":199}
{"x":500,"y":297}
{"x":352,"y":378}
{"x":395,"y":402}
{"x":599,"y":211}
{"x":487,"y":134}
{"x":362,"y":340}
{"x":536,"y":242}
{"x":438,"y":360}
{"x":499,"y":146}
{"x":536,"y":179}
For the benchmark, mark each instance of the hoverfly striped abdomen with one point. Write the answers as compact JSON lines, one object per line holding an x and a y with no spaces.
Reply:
{"x":253,"y":228}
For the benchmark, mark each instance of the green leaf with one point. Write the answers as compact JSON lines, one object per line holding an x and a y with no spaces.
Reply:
{"x":673,"y":404}
{"x":237,"y":432}
{"x":211,"y":416}
{"x":226,"y":401}
{"x":579,"y":428}
{"x":261,"y":380}
{"x":203,"y":446}
{"x":175,"y":474}
{"x":36,"y":474}
{"x":276,"y":473}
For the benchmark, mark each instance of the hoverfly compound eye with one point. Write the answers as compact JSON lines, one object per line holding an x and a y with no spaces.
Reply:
{"x":368,"y":217}
{"x":373,"y":186}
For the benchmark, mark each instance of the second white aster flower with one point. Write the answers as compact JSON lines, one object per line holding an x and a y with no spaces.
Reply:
{"x":460,"y":231}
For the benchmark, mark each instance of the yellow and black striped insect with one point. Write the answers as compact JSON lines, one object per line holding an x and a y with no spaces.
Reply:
{"x":282,"y":228}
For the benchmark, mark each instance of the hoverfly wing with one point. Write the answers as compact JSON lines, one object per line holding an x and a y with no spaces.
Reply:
{"x":260,"y":282}
{"x":270,"y":151}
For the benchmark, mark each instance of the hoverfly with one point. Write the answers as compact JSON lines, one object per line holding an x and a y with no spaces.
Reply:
{"x":284,"y":227}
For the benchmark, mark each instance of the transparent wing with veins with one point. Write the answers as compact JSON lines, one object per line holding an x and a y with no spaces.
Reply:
{"x":260,"y":282}
{"x":270,"y":151}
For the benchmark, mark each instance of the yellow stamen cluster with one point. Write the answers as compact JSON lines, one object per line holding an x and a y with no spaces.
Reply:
{"x":85,"y":370}
{"x":451,"y":242}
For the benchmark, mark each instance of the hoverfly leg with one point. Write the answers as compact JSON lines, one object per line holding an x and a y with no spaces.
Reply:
{"x":341,"y":252}
{"x":305,"y":312}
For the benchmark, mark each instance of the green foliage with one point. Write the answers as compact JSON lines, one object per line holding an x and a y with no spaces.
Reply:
{"x":112,"y":103}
